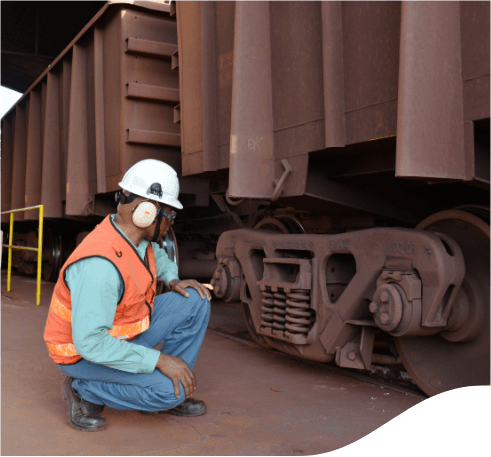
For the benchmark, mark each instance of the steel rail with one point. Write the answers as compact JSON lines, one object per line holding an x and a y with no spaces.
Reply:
{"x":369,"y":377}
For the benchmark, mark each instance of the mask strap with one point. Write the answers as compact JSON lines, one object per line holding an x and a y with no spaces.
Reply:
{"x":157,"y":227}
{"x":123,"y":199}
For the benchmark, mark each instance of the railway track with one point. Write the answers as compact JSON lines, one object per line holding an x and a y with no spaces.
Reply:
{"x":227,"y":322}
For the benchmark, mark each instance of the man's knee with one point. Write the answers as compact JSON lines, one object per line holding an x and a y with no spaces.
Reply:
{"x":162,"y":397}
{"x":201,"y":306}
{"x":195,"y":296}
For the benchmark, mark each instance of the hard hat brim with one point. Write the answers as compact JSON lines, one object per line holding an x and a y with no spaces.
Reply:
{"x":166,"y":199}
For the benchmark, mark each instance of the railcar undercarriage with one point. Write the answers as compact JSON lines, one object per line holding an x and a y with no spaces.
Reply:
{"x":324,"y":297}
{"x":355,"y":297}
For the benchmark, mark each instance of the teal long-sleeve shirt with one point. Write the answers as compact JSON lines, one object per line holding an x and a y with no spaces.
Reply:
{"x":95,"y":288}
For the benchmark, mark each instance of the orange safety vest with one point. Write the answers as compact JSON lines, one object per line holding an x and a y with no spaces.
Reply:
{"x":135,"y":307}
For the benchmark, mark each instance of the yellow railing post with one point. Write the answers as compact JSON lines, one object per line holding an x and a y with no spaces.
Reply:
{"x":11,"y":235}
{"x":40,"y":255}
{"x":39,"y":249}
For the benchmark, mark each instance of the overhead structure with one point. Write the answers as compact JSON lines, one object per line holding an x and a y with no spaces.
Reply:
{"x":34,"y":33}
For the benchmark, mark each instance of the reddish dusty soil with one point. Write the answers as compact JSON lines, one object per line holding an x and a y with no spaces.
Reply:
{"x":259,"y":402}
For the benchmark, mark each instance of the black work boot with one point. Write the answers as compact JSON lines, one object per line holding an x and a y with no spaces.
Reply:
{"x":83,"y":415}
{"x":189,"y":407}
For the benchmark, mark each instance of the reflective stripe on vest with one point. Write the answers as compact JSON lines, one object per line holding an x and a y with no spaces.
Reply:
{"x":125,"y":331}
{"x":66,"y":350}
{"x":60,"y":309}
{"x":121,"y":332}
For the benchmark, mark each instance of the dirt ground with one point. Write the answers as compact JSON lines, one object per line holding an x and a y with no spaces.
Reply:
{"x":259,"y":402}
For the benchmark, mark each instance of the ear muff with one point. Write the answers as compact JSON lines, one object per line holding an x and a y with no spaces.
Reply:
{"x":144,"y":214}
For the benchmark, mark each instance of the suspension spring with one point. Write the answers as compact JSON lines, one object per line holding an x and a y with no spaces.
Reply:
{"x":267,"y":308}
{"x":300,"y":317}
{"x":287,"y":312}
{"x":279,"y":311}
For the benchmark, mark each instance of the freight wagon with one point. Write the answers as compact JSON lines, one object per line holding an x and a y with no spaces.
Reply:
{"x":333,"y":160}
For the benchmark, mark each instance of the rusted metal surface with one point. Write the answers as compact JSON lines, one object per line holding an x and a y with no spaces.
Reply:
{"x":333,"y":72}
{"x":196,"y":27}
{"x":251,"y":133}
{"x":7,"y":163}
{"x":388,"y":204}
{"x":371,"y":35}
{"x":34,"y":152}
{"x":190,"y":78}
{"x":323,"y":296}
{"x":430,"y":130}
{"x":351,"y":53}
{"x":53,"y":165}
{"x":77,"y":184}
{"x":432,"y":360}
{"x":337,"y":77}
{"x":105,"y":103}
{"x":209,"y":86}
{"x":474,"y":31}
{"x":299,"y":250}
{"x":297,"y":61}
{"x":100,"y":150}
{"x":19,"y":159}
{"x":149,"y":122}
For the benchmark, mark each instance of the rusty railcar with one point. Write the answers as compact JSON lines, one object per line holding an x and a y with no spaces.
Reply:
{"x":334,"y":162}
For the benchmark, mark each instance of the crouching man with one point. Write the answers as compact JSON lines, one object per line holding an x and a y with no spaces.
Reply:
{"x":104,"y":319}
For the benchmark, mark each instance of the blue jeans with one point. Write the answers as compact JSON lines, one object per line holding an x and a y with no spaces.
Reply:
{"x":177,"y":321}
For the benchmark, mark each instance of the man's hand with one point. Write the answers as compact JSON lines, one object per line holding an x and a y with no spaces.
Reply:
{"x":180,"y":287}
{"x":177,"y":370}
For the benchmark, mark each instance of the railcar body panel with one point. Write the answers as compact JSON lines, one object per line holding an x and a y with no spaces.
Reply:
{"x":350,"y":93}
{"x":107,"y":102}
{"x":342,"y":74}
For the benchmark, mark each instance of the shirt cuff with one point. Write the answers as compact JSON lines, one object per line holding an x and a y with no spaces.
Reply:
{"x":150,"y":360}
{"x":167,"y":278}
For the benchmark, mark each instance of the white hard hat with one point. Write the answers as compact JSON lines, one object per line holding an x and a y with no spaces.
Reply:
{"x":153,"y":179}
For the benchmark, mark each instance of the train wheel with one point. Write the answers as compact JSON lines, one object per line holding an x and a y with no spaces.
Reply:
{"x":281,"y":224}
{"x":169,"y":243}
{"x":458,"y":356}
{"x":52,"y":246}
{"x":258,"y":339}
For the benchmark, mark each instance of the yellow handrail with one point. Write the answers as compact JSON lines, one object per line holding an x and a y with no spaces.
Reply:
{"x":39,"y":249}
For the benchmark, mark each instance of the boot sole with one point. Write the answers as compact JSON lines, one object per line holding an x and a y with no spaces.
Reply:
{"x":184,"y":414}
{"x":66,"y":395}
{"x":152,"y":413}
{"x":173,"y":413}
